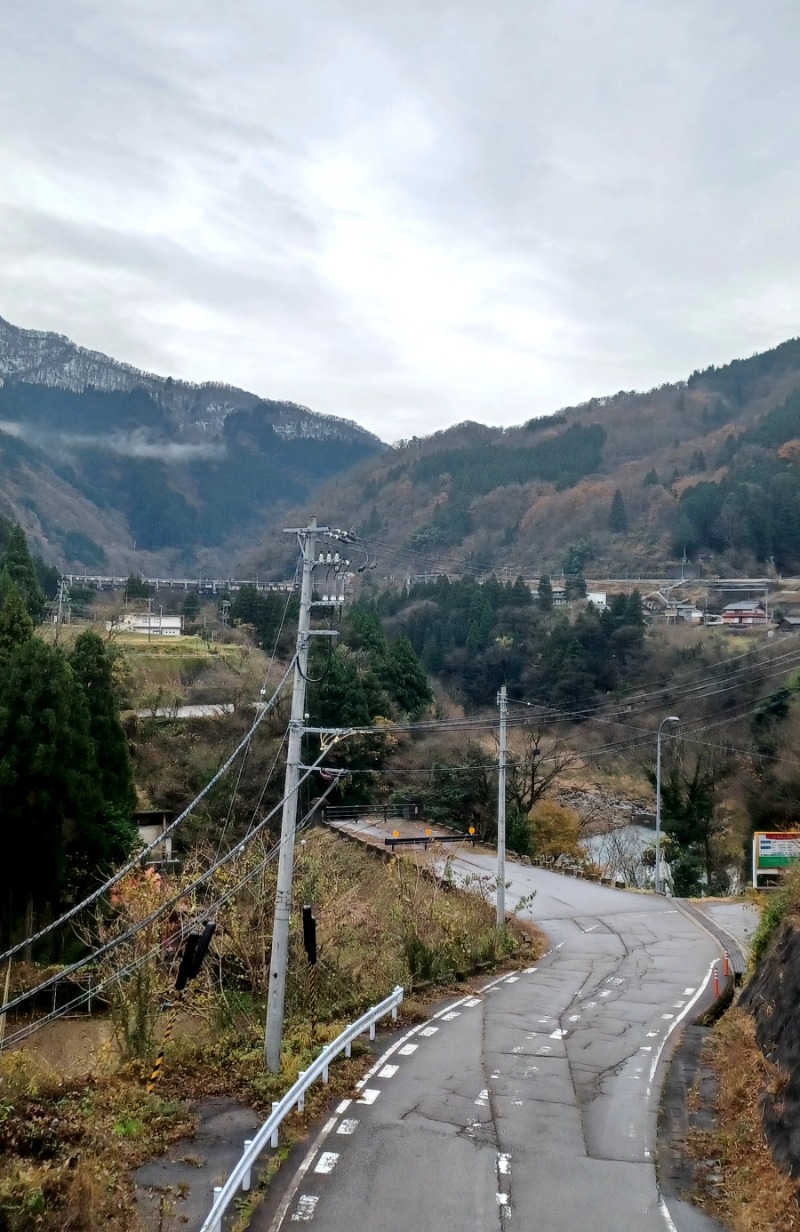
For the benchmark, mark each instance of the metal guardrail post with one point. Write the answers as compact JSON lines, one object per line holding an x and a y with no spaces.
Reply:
{"x":268,"y":1133}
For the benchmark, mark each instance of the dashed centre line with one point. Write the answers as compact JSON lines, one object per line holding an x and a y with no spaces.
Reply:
{"x":306,"y":1205}
{"x":327,"y":1162}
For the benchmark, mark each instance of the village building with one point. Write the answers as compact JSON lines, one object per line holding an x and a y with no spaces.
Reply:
{"x":147,"y":622}
{"x":746,"y":612}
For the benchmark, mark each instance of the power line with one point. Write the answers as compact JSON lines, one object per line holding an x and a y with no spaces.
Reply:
{"x":134,"y":862}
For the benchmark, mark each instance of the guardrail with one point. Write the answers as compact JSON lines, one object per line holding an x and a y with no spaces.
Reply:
{"x":427,"y":839}
{"x":295,"y":1097}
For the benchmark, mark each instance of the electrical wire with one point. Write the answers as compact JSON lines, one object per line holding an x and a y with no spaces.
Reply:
{"x":164,"y":907}
{"x":207,"y":912}
{"x":243,"y":762}
{"x":134,"y":862}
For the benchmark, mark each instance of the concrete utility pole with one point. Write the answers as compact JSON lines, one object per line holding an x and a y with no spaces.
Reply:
{"x":502,"y":702}
{"x":283,"y":892}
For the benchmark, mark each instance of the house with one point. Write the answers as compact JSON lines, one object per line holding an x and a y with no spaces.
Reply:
{"x":598,"y":599}
{"x":789,"y":624}
{"x":149,"y":623}
{"x":746,"y":612}
{"x":688,"y":613}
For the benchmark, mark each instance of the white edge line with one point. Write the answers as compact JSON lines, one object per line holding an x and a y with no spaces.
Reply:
{"x":676,"y":1020}
{"x":665,"y":1212}
{"x":282,"y":1210}
{"x":291,"y":1192}
{"x":661,"y":1202}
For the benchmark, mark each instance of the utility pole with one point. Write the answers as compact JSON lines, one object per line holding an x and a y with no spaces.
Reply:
{"x":502,"y":702}
{"x":283,"y":893}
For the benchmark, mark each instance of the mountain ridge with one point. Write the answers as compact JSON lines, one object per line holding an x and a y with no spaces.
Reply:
{"x":38,"y":357}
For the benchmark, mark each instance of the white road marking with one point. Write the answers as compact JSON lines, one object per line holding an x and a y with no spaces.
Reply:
{"x":687,"y":992}
{"x":516,"y":1101}
{"x":544,"y":1050}
{"x":327,"y":1162}
{"x":388,"y":1071}
{"x":429,"y":1031}
{"x":348,"y":1126}
{"x":590,"y":1005}
{"x":472,"y":1001}
{"x":343,"y":1106}
{"x":573,"y":1018}
{"x":606,"y":992}
{"x":512,"y":979}
{"x":369,"y":1095}
{"x":407,"y":1050}
{"x":679,"y":1005}
{"x":663,"y":1208}
{"x":443,"y":1013}
{"x":557,"y":1034}
{"x":502,"y":1199}
{"x":591,"y":930}
{"x":517,"y":1049}
{"x":530,"y":970}
{"x":670,"y":1029}
{"x":451,"y":1015}
{"x":503,"y":1163}
{"x":667,"y":1016}
{"x":652,"y":1034}
{"x":482,"y":1099}
{"x":305,"y":1208}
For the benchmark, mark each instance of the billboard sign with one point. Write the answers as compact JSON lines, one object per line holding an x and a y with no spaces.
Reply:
{"x":774,"y":851}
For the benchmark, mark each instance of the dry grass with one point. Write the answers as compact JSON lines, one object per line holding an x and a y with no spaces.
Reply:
{"x":68,"y":1144}
{"x":753,"y":1194}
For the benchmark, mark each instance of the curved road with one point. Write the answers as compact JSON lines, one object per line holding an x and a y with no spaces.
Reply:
{"x":531,"y":1104}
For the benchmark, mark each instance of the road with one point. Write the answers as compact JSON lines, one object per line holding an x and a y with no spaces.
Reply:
{"x":532,"y":1104}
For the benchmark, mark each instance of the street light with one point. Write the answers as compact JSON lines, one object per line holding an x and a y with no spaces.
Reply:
{"x":671,"y":718}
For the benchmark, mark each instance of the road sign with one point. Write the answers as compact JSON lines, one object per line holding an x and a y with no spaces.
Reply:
{"x":774,"y":851}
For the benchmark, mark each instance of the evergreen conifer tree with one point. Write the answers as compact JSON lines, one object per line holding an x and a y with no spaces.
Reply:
{"x":618,"y":517}
{"x":49,"y":797}
{"x":92,"y":665}
{"x":404,"y":678}
{"x":16,"y":626}
{"x":17,"y":568}
{"x":545,"y":590}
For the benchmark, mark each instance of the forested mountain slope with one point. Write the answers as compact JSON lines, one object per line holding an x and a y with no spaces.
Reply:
{"x":707,"y":467}
{"x":112,"y":469}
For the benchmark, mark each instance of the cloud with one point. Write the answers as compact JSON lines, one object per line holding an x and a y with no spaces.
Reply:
{"x":125,"y":444}
{"x":405,"y":214}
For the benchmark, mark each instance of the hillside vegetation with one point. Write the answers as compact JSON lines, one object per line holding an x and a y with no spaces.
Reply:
{"x":708,"y":468}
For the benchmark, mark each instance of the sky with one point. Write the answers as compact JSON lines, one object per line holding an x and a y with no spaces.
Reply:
{"x":406,"y":212}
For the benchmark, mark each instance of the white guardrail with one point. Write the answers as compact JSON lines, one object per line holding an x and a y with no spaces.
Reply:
{"x":294,"y":1097}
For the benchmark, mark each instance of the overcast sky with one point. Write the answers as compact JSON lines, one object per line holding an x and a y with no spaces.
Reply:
{"x":408,"y":212}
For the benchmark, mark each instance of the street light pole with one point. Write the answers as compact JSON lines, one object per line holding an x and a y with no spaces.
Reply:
{"x":671,"y":718}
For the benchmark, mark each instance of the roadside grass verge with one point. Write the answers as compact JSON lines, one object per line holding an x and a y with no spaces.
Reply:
{"x":738,"y":1181}
{"x":68,"y":1145}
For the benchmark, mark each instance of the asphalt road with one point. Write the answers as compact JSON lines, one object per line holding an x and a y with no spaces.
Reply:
{"x":532,"y":1104}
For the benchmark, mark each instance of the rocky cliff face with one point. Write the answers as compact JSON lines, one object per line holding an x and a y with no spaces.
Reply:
{"x":53,"y":360}
{"x":772,"y":998}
